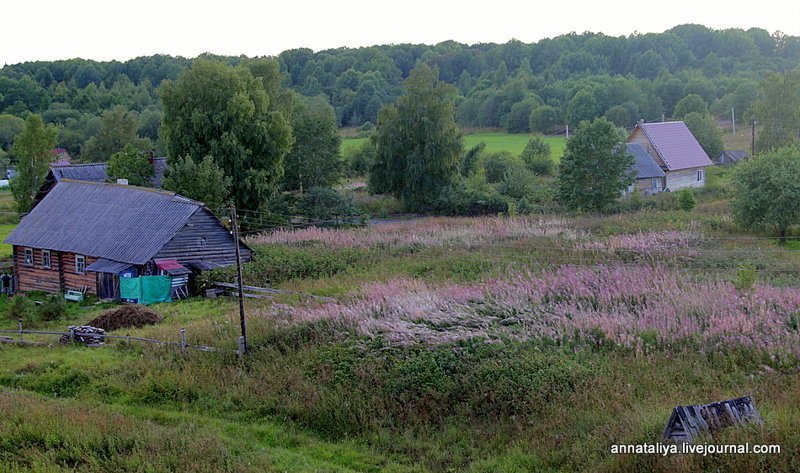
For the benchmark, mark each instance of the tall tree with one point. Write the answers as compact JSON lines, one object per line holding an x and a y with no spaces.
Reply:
{"x":778,"y":113}
{"x":704,"y":128}
{"x":203,"y":181}
{"x":417,"y":142}
{"x":767,"y":194}
{"x":583,"y":106}
{"x":314,"y":160}
{"x":690,"y":103}
{"x":10,"y":127}
{"x":595,"y":168}
{"x":118,"y":128}
{"x":33,"y":148}
{"x":222,"y":111}
{"x":131,"y":164}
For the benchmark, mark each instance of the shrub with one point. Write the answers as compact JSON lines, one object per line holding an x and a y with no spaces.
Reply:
{"x":360,"y":159}
{"x":22,"y":308}
{"x":471,"y":196}
{"x":517,"y":182}
{"x":496,"y":165}
{"x":746,"y":277}
{"x":53,"y":308}
{"x":686,"y":200}
{"x":325,"y":203}
{"x":537,"y":157}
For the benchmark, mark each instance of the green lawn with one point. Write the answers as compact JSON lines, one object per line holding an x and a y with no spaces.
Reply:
{"x":5,"y":250}
{"x":495,"y":142}
{"x":513,"y":143}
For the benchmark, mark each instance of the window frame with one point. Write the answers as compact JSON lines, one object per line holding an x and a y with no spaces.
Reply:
{"x":27,"y":252}
{"x":656,"y":184}
{"x":82,"y":268}
{"x":47,"y":262}
{"x":701,"y":175}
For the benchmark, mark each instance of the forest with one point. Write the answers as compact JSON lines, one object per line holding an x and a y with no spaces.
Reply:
{"x":537,"y":87}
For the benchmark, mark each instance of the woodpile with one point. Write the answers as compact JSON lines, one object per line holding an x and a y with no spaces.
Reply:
{"x":85,"y":335}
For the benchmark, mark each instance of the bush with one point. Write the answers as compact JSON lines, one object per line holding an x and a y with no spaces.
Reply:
{"x":496,"y":165}
{"x":686,"y":200}
{"x":324,"y":203}
{"x":537,"y":157}
{"x":517,"y":182}
{"x":471,"y":196}
{"x":53,"y":307}
{"x":21,"y":307}
{"x":359,"y":160}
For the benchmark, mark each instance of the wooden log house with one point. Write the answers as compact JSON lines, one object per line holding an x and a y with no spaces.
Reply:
{"x":87,"y":235}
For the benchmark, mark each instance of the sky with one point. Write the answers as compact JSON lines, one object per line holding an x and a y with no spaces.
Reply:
{"x":105,"y":30}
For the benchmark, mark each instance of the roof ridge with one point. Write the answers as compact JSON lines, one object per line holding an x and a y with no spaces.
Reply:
{"x":655,"y":146}
{"x":165,"y":192}
{"x":75,"y":165}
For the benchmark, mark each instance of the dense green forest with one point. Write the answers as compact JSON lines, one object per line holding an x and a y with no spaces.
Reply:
{"x":517,"y":86}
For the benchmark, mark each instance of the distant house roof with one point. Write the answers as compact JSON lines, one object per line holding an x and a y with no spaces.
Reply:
{"x":730,"y":156}
{"x":96,"y":172}
{"x":644,"y":165}
{"x":121,"y":223}
{"x":675,"y":145}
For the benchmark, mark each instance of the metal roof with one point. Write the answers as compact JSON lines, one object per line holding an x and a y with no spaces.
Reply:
{"x":732,"y":155}
{"x":121,"y":223}
{"x":108,"y":266}
{"x":676,"y":145}
{"x":644,"y":165}
{"x":96,"y":172}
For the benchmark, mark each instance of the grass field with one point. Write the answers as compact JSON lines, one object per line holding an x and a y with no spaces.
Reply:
{"x":495,"y":142}
{"x":484,"y":344}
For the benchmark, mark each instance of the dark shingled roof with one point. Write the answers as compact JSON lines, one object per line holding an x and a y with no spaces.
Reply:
{"x":731,"y":156}
{"x":96,"y":172}
{"x":676,"y":145}
{"x":121,"y":223}
{"x":644,"y":165}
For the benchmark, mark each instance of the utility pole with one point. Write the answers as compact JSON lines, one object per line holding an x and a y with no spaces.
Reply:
{"x":753,"y":138}
{"x":663,"y":117}
{"x":733,"y":121}
{"x":567,"y":130}
{"x":235,"y":225}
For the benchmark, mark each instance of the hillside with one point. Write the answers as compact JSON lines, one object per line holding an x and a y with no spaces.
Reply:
{"x":519,"y":87}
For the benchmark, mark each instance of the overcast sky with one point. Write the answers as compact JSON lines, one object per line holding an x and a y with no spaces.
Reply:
{"x":104,"y":30}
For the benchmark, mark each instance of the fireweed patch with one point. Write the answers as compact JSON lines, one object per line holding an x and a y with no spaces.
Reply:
{"x":430,"y":231}
{"x":631,"y":306}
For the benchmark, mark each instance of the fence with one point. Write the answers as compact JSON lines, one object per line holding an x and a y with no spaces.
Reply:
{"x":73,"y":334}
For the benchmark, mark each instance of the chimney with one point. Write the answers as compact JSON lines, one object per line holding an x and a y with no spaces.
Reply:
{"x":122,"y":182}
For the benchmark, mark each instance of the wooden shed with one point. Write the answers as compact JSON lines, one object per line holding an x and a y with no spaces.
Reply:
{"x":88,"y":235}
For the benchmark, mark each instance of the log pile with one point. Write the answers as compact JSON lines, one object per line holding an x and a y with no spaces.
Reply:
{"x":85,"y":335}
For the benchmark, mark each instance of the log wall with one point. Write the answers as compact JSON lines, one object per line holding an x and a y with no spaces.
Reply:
{"x":60,"y":276}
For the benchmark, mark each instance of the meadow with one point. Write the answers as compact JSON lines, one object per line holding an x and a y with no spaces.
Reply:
{"x":496,"y":142}
{"x":486,"y":344}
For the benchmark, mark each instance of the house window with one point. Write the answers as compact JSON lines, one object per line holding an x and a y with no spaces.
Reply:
{"x":656,"y":183}
{"x":80,"y":264}
{"x":700,"y":175}
{"x":28,"y":256}
{"x":45,"y":258}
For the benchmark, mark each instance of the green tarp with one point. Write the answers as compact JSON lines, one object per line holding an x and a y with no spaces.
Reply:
{"x":146,"y":289}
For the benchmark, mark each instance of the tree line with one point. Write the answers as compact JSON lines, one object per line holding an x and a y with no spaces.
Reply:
{"x":518,"y":86}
